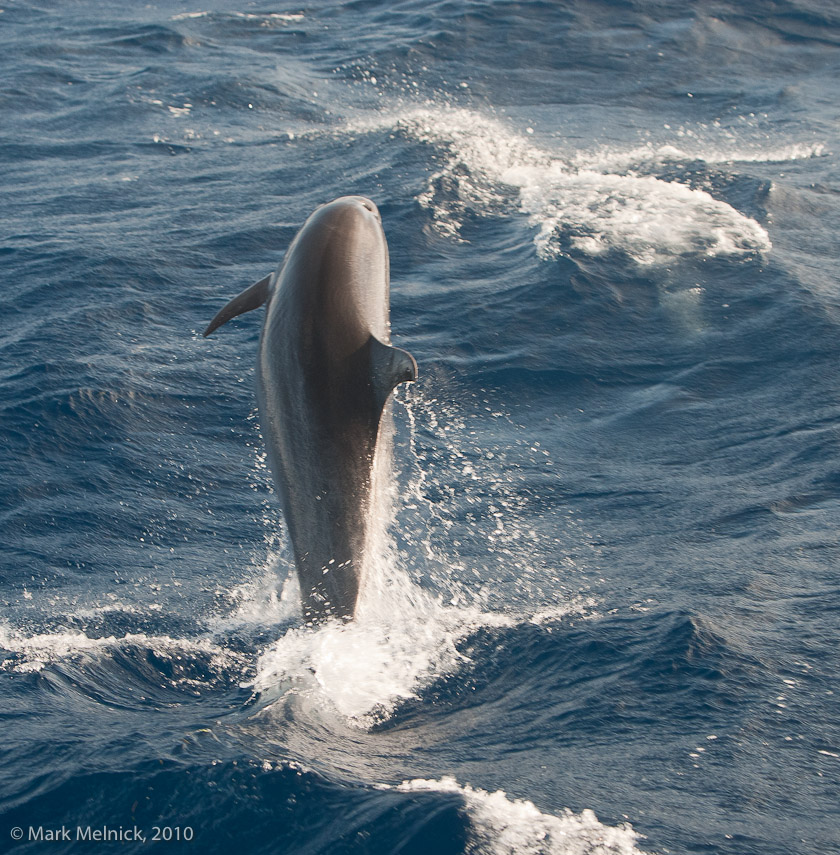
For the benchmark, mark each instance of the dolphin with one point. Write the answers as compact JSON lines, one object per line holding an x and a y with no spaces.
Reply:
{"x":325,"y":371}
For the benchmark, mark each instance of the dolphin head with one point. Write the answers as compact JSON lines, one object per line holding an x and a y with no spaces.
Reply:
{"x":338,"y":268}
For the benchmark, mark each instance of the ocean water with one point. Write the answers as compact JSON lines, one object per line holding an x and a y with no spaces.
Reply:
{"x":603,"y":606}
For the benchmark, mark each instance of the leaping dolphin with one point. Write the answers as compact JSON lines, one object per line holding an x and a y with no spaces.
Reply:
{"x":325,"y":370}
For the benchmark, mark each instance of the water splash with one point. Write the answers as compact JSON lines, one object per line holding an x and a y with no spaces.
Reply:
{"x":404,"y":636}
{"x":400,"y":639}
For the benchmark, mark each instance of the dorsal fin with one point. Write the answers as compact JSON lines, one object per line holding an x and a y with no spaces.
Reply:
{"x":250,"y":298}
{"x":390,"y":366}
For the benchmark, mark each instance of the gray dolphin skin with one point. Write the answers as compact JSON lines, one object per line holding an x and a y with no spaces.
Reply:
{"x":325,"y":371}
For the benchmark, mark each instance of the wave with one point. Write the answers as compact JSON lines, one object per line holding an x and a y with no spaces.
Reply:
{"x":160,"y":662}
{"x":264,"y":19}
{"x":500,"y":825}
{"x":584,"y":203}
{"x":651,"y":155}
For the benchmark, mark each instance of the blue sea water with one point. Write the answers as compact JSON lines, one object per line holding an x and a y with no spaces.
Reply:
{"x":605,"y":602}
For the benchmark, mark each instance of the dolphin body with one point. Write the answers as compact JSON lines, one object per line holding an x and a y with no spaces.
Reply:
{"x":325,"y":371}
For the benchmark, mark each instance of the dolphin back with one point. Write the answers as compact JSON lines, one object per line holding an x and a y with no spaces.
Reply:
{"x":325,"y":371}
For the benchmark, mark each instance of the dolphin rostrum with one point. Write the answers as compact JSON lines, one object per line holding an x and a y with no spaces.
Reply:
{"x":325,"y":370}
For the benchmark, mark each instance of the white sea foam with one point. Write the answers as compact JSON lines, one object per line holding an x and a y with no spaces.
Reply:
{"x":692,"y":150}
{"x":400,"y":642}
{"x":580,"y":203}
{"x":504,"y":826}
{"x":402,"y":639}
{"x":264,"y":18}
{"x":35,"y":652}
